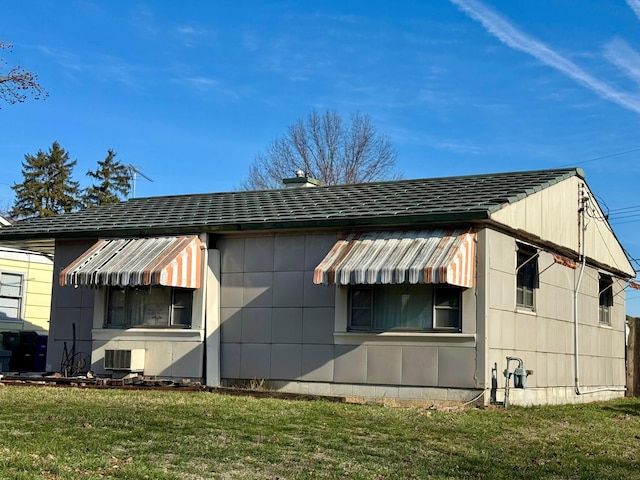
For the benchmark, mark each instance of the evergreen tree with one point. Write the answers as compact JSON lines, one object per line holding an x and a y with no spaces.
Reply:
{"x":47,"y":188}
{"x":113,"y":182}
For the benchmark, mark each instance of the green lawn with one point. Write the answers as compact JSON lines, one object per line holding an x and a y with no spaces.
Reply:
{"x":58,"y":433}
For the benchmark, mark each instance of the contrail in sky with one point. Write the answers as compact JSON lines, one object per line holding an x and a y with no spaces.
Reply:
{"x":511,"y":36}
{"x":618,"y":52}
{"x":635,"y":6}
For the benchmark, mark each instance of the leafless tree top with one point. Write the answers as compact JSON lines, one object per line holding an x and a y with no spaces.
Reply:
{"x":18,"y":82}
{"x":328,"y":149}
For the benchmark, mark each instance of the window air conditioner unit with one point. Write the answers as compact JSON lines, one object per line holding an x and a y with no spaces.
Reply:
{"x":127,"y":360}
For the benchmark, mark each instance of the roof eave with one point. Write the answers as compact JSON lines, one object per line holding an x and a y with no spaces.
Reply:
{"x":455,"y":217}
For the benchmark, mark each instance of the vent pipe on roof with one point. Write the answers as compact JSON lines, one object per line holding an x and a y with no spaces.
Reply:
{"x":302,"y":179}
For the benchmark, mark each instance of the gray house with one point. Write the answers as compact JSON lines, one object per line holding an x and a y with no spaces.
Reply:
{"x":414,"y":289}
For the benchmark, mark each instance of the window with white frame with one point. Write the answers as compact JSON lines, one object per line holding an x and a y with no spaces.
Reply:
{"x":605,"y":299}
{"x":420,"y":307}
{"x":526,"y":278}
{"x":11,"y":295}
{"x":149,"y":307}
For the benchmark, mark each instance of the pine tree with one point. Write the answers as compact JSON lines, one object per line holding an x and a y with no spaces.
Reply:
{"x":113,"y":182}
{"x":47,"y":188}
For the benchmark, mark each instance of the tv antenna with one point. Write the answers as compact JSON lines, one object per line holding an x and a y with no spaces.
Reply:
{"x":135,"y":171}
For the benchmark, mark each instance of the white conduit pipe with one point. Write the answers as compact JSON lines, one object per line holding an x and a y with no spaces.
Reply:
{"x":576,"y":358}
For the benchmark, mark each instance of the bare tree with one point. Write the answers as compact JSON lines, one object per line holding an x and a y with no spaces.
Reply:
{"x":18,"y":82}
{"x":5,"y":213}
{"x":328,"y":149}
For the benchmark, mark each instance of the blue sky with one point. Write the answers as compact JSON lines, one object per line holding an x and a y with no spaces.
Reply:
{"x":190,"y":91}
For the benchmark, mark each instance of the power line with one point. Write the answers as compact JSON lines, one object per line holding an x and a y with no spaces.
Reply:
{"x":602,"y":158}
{"x":633,"y":207}
{"x":630,"y":215}
{"x":628,"y":221}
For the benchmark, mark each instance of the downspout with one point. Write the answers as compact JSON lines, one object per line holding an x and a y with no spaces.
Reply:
{"x":576,"y":357}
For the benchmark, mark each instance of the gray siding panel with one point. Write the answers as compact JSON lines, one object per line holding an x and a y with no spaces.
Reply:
{"x":288,"y":288}
{"x":419,"y":365}
{"x":286,"y":325}
{"x":317,"y":363}
{"x":289,"y":253}
{"x":318,"y":325}
{"x":258,"y":254}
{"x":255,"y":360}
{"x":384,"y":364}
{"x":286,"y":361}
{"x":350,"y":364}
{"x":256,"y":325}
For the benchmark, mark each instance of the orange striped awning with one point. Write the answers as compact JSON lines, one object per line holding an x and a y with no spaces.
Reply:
{"x":421,"y":256}
{"x":168,"y":261}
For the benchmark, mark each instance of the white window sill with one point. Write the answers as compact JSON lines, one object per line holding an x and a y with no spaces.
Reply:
{"x":148,"y":334}
{"x":387,"y":338}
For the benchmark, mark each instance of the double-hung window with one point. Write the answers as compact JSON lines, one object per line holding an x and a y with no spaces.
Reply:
{"x":11,"y":295}
{"x":149,"y":307}
{"x":605,"y":300}
{"x":526,"y":278}
{"x":419,"y":307}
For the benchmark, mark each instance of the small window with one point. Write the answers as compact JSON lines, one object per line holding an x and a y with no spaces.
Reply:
{"x":149,"y":307}
{"x":447,"y":308}
{"x":526,"y":278}
{"x":11,"y":296}
{"x":605,"y":299}
{"x":181,"y":305}
{"x":362,"y":308}
{"x":406,"y":307}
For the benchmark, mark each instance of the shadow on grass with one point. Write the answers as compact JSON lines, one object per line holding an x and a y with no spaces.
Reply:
{"x":627,"y":406}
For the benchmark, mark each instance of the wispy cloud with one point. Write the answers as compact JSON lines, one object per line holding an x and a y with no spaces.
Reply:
{"x":207,"y":86}
{"x":518,"y":40}
{"x":58,"y":55}
{"x":188,"y":30}
{"x":143,"y":20}
{"x":104,"y":68}
{"x":417,"y":137}
{"x":190,"y":35}
{"x":635,"y":6}
{"x":250,"y":41}
{"x":618,"y":52}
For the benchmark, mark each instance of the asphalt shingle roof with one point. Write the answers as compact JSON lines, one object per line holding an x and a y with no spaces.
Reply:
{"x":463,"y":198}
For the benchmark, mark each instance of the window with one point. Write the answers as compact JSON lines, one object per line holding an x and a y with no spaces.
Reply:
{"x":605,"y":301}
{"x":404,"y":307}
{"x":11,"y":293}
{"x":526,"y":278}
{"x":149,"y":307}
{"x":447,"y":307}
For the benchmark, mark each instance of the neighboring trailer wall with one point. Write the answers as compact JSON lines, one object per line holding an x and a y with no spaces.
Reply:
{"x":544,"y":338}
{"x":276,"y":325}
{"x":69,"y":306}
{"x":36,"y":271}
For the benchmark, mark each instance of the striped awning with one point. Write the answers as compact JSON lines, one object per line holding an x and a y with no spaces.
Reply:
{"x":425,"y":256}
{"x":169,"y":261}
